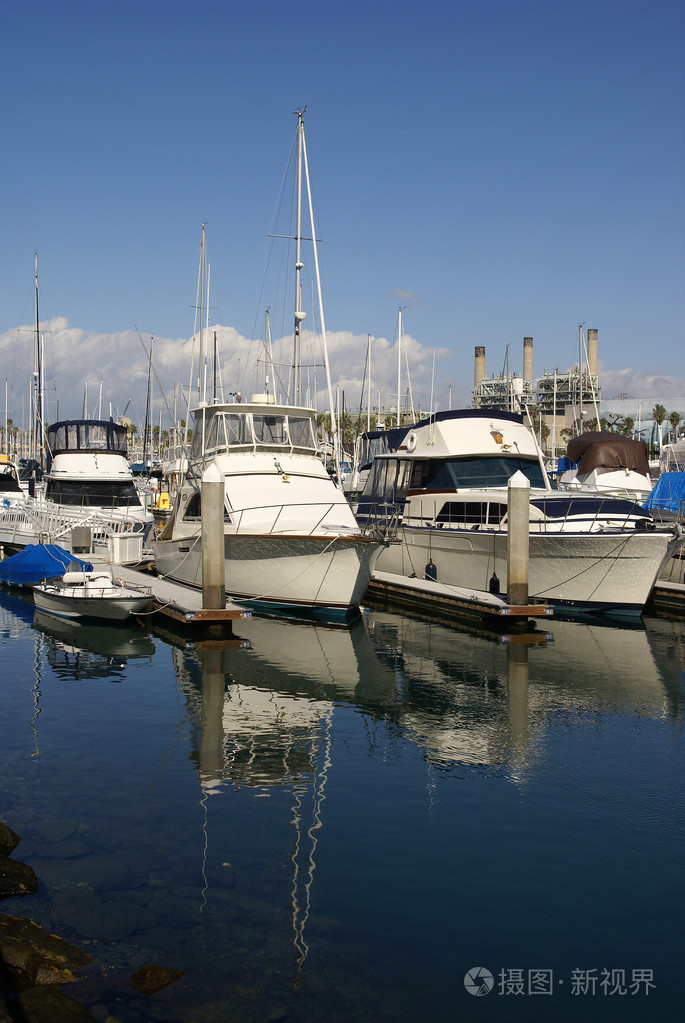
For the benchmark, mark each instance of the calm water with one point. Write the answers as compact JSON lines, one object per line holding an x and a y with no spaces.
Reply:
{"x":336,"y":825}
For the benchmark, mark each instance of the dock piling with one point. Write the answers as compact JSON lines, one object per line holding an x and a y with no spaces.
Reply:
{"x":518,"y":538}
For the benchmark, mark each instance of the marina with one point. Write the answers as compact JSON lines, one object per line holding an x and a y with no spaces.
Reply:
{"x":309,"y":725}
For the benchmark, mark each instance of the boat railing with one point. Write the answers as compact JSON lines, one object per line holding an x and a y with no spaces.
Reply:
{"x":55,"y":522}
{"x":381,"y":520}
{"x":280,"y":518}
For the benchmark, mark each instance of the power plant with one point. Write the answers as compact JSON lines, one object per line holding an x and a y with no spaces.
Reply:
{"x":558,"y":396}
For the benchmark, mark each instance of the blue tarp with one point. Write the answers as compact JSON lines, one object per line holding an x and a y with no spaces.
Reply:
{"x":668,"y":493}
{"x":36,"y":562}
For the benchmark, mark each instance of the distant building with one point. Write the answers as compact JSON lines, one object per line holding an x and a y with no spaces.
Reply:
{"x":562,"y":400}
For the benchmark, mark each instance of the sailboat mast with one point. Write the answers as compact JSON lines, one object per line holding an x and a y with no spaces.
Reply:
{"x":399,"y":362}
{"x":324,"y":343}
{"x":202,"y":386}
{"x":580,"y":378}
{"x":39,"y":396}
{"x":299,"y":314}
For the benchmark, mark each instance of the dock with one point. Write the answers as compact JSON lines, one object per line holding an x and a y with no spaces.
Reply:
{"x":439,"y":602}
{"x":181,"y":606}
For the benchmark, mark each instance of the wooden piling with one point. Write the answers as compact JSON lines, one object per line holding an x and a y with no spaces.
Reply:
{"x":518,"y":539}
{"x":213,"y":560}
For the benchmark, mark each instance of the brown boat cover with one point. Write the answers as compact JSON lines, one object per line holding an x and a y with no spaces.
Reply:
{"x":597,"y":450}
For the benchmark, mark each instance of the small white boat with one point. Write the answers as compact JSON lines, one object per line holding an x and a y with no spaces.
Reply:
{"x":96,"y":594}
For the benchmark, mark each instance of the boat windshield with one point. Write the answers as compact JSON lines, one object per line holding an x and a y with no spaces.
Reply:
{"x":275,"y":432}
{"x":473,"y":473}
{"x":93,"y":493}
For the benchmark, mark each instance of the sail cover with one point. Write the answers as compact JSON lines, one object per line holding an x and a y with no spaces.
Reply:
{"x":36,"y":562}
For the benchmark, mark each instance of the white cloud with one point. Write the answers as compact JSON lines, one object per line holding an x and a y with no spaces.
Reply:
{"x":113,"y":370}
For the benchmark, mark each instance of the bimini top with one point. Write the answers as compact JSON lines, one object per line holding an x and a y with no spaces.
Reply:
{"x":87,"y":435}
{"x":36,"y":562}
{"x":596,"y":450}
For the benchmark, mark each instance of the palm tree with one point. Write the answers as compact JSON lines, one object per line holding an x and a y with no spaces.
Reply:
{"x":658,"y":415}
{"x":674,"y":420}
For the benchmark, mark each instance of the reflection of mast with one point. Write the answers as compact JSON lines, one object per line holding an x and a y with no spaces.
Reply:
{"x":35,"y":689}
{"x":300,"y":913}
{"x":254,"y":736}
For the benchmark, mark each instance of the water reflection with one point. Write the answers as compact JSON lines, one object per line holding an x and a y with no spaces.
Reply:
{"x":204,"y":832}
{"x":82,"y":650}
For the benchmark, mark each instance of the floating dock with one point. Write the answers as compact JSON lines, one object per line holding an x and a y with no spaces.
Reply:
{"x":181,"y":606}
{"x":438,"y":602}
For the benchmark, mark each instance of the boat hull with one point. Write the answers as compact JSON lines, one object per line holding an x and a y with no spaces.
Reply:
{"x":67,"y":605}
{"x":586,"y":571}
{"x":277,"y":573}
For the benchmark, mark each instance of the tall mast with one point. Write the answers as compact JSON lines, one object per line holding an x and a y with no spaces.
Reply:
{"x":324,"y":343}
{"x":202,"y":392}
{"x":39,"y":396}
{"x":399,"y":362}
{"x":580,"y":378}
{"x":368,"y":388}
{"x":299,"y":314}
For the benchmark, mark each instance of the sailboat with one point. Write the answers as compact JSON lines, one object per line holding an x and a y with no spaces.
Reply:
{"x":291,"y":542}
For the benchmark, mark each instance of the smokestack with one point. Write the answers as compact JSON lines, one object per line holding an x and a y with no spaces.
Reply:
{"x":528,"y":359}
{"x":480,"y":365}
{"x":592,"y":363}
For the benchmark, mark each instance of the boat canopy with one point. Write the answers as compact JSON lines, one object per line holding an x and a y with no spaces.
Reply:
{"x":86,"y":435}
{"x":36,"y":562}
{"x":597,"y":450}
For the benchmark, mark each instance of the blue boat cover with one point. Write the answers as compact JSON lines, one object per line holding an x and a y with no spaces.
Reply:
{"x":36,"y":562}
{"x":668,"y":493}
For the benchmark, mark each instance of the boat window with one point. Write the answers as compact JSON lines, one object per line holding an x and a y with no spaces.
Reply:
{"x":474,"y":473}
{"x":480,"y":513}
{"x":270,"y":429}
{"x":238,"y":429}
{"x":388,"y":481}
{"x":93,"y":437}
{"x":211,"y":433}
{"x":419,"y":473}
{"x":301,"y":430}
{"x":93,"y":493}
{"x":194,"y":510}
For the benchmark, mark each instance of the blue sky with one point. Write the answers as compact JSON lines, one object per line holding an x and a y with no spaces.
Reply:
{"x":499,"y":169}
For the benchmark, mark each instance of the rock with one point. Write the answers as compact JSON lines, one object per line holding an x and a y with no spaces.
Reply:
{"x":16,"y":879}
{"x":8,"y":840}
{"x":151,"y":978}
{"x":46,"y":1005}
{"x":32,"y":955}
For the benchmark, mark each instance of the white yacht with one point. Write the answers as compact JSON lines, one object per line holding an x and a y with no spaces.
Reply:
{"x":291,"y":540}
{"x":447,"y":486}
{"x":88,"y":496}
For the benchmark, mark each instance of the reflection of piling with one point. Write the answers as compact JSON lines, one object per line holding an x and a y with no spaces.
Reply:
{"x":517,"y":672}
{"x":518,"y":539}
{"x":211,"y":754}
{"x":213,"y":564}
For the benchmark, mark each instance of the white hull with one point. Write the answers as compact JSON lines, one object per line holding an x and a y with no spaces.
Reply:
{"x":110,"y":603}
{"x":589,"y":571}
{"x":324,"y":572}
